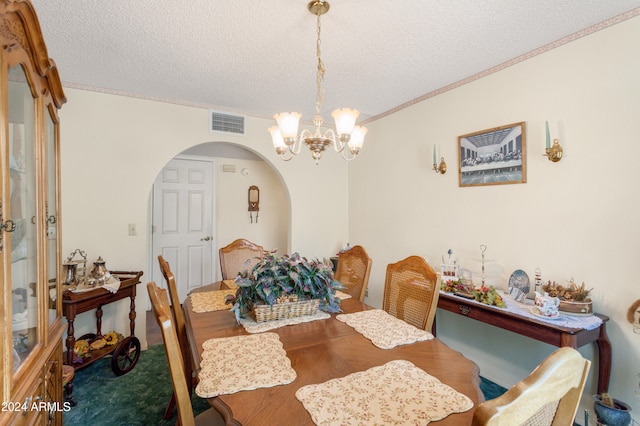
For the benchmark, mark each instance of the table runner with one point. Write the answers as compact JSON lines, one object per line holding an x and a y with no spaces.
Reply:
{"x":384,"y":330}
{"x":208,"y":301}
{"x":112,"y":284}
{"x":252,"y":326}
{"x":233,"y":364}
{"x":590,"y":322}
{"x":396,"y":393}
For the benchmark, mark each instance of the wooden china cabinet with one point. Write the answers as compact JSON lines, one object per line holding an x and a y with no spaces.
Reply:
{"x":30,"y":265}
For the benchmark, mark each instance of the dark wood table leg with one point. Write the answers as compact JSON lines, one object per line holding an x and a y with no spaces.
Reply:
{"x":99,"y":322}
{"x":604,"y":359}
{"x":71,"y":340}
{"x":132,"y":314}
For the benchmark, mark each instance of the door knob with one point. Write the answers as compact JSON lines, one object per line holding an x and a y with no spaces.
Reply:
{"x":207,"y":238}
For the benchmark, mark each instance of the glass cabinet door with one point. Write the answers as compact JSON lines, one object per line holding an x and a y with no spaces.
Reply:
{"x":52,"y":217}
{"x":22,"y":213}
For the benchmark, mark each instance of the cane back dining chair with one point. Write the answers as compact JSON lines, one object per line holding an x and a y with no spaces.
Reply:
{"x":181,"y":331}
{"x":239,"y":256}
{"x":354,"y":267}
{"x":549,"y":396}
{"x":411,"y":291}
{"x":160,"y":304}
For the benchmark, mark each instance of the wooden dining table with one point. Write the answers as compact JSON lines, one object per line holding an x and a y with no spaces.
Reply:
{"x":319,"y":351}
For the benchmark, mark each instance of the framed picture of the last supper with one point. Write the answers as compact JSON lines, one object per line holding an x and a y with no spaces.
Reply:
{"x":493,"y":157}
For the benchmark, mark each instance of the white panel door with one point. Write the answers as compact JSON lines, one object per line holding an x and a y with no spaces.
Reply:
{"x":183,"y":224}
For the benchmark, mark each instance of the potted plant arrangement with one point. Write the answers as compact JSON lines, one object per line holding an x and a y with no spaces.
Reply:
{"x":574,"y":299}
{"x":611,"y":411}
{"x":285,"y":287}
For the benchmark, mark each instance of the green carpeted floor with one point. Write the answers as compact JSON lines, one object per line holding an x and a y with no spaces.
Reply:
{"x":136,"y":398}
{"x":141,"y":396}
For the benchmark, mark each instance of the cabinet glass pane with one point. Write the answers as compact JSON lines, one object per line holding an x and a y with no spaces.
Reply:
{"x":22,"y":211}
{"x":52,"y":217}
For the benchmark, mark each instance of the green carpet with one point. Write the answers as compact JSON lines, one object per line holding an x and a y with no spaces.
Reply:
{"x":140,"y":397}
{"x":489,"y":389}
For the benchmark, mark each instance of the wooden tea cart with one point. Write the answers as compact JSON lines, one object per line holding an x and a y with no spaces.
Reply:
{"x":127,"y":351}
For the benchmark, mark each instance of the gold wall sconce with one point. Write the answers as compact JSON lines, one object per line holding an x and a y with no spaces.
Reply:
{"x":439,"y":168}
{"x":553,"y":152}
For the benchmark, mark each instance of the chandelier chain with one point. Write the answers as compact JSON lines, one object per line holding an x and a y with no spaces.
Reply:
{"x":347,"y":138}
{"x":320,"y":73}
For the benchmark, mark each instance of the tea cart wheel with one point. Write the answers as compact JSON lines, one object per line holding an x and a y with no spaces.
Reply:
{"x":126,"y":355}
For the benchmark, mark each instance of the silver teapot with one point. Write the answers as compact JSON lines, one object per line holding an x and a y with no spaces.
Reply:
{"x":99,"y":271}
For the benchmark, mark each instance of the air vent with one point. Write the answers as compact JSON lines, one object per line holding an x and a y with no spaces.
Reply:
{"x":227,"y":123}
{"x":229,"y":168}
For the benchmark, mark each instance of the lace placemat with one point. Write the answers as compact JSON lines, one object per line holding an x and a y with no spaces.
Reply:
{"x":384,"y":330}
{"x":234,"y":364}
{"x":342,"y":296}
{"x":252,"y":326}
{"x":228,"y":285}
{"x":396,"y":393}
{"x":207,"y":301}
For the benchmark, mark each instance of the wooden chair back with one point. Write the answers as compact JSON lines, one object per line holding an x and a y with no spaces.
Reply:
{"x":182,"y":392}
{"x":354,"y":267}
{"x":239,"y":256}
{"x":178,"y":316}
{"x":411,"y":291}
{"x":549,"y":396}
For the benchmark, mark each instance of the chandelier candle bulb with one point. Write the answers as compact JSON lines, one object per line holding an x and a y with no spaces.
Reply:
{"x":357,"y":139}
{"x":278,"y":141}
{"x":288,"y":125}
{"x":434,"y":155}
{"x":345,"y":119}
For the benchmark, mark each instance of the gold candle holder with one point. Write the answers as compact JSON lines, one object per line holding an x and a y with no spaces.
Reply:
{"x":554,"y":153}
{"x":440,"y":168}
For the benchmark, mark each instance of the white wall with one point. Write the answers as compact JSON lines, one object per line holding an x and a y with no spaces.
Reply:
{"x":576,"y":218}
{"x":271,"y":229}
{"x":113,"y":147}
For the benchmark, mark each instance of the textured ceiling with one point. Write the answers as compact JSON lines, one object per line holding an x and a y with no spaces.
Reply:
{"x":257,"y":57}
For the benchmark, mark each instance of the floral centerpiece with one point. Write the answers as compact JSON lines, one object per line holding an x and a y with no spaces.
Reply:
{"x":82,"y":348}
{"x":453,"y":286}
{"x":572,"y":292}
{"x":574,"y":298}
{"x":81,"y":351}
{"x":275,"y":280}
{"x":483,"y":294}
{"x":488,"y":296}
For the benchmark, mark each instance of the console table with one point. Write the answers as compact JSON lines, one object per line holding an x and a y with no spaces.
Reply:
{"x":541,"y":330}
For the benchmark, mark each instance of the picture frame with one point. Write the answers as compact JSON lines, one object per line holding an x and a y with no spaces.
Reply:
{"x":496,"y":156}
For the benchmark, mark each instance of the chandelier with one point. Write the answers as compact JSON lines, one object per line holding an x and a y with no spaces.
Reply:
{"x":347,"y":139}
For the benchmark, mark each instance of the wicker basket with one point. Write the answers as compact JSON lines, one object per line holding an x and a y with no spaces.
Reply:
{"x":576,"y":308}
{"x":285,"y":310}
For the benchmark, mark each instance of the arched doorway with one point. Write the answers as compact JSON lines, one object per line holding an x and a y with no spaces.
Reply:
{"x":234,"y":170}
